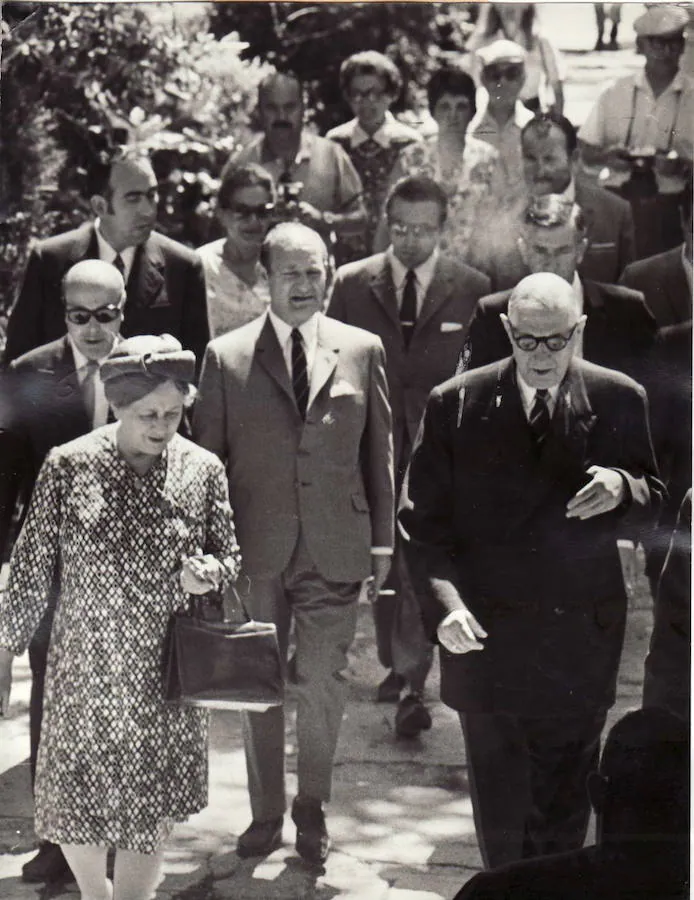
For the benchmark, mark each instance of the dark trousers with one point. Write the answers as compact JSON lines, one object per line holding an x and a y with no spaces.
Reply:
{"x":528,"y":782}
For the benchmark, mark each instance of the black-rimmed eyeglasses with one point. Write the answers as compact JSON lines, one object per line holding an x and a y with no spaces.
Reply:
{"x":78,"y":315}
{"x":553,"y":342}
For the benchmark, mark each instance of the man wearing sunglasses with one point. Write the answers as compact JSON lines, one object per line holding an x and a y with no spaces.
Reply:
{"x":501,"y":121}
{"x":521,"y":476}
{"x":164,"y":280}
{"x":619,"y":330}
{"x":56,"y":395}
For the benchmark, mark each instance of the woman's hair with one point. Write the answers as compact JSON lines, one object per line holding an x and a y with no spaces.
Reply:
{"x":370,"y":62}
{"x":527,"y":24}
{"x":126,"y":389}
{"x":451,"y":80}
{"x":235,"y":177}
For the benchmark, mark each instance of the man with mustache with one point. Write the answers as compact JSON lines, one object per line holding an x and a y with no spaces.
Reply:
{"x":330,"y":196}
{"x":164,"y":280}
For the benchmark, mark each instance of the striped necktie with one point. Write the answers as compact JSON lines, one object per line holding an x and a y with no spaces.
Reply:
{"x":539,"y":419}
{"x":299,"y":372}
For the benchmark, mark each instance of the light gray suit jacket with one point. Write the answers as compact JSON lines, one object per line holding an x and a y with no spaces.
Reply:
{"x":330,"y":476}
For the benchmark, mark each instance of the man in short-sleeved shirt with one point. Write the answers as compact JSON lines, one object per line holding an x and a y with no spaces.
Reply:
{"x":330,"y":198}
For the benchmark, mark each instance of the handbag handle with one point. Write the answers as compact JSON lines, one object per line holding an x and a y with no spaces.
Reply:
{"x":234,"y":610}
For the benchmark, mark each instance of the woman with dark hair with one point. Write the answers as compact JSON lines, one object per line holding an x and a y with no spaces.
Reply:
{"x":465,"y":167}
{"x":124,"y":522}
{"x":235,"y":280}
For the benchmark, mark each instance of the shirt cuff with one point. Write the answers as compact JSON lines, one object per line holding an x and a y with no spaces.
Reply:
{"x":381,"y":551}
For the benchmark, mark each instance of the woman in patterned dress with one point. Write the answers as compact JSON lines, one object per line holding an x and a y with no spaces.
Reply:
{"x":465,"y":167}
{"x":373,"y":139}
{"x":125,"y":521}
{"x":235,"y":281}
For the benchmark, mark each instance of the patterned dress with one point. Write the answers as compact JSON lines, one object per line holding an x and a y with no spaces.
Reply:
{"x":472,"y":189}
{"x":230,"y":301}
{"x":116,"y":765}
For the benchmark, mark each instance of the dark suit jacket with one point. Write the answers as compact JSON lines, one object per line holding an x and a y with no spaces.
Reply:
{"x":485,"y":517}
{"x":663,"y":282}
{"x":611,"y":248}
{"x":364,"y":295}
{"x":330,"y":476}
{"x":166,"y":292}
{"x":619,"y":330}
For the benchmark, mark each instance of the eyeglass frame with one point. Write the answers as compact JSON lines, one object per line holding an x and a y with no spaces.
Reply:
{"x":564,"y":340}
{"x":497,"y":71}
{"x":113,"y":310}
{"x":417,"y":231}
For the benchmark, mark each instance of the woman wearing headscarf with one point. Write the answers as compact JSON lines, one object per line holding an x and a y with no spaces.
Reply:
{"x":124,"y":522}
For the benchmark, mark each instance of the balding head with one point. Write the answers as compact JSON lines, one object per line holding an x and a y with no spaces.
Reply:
{"x":94,"y":295}
{"x":543,"y":306}
{"x":95,"y":276}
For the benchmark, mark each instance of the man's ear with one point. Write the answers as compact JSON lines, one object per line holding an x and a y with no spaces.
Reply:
{"x":98,"y":204}
{"x":597,"y":790}
{"x":507,"y":326}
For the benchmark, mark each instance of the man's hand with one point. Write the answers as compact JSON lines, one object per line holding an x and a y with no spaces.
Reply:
{"x":380,"y":566}
{"x":309,"y":215}
{"x":459,"y":631}
{"x":604,"y":493}
{"x":5,"y":680}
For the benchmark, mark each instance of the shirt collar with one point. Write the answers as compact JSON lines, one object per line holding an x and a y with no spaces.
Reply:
{"x":521,"y":116}
{"x":108,"y":254}
{"x":383,"y":136}
{"x":81,"y":360}
{"x":528,"y":393}
{"x":424,"y":272}
{"x":577,"y":286}
{"x":687,"y":266}
{"x":569,"y":194}
{"x":309,"y":329}
{"x":676,"y":85}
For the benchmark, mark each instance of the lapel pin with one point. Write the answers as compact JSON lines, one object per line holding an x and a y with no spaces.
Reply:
{"x":328,"y":419}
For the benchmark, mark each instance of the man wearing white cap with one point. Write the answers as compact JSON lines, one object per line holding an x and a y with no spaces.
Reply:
{"x":501,"y":121}
{"x":648,"y":115}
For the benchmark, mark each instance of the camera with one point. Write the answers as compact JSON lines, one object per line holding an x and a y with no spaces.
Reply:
{"x":288,"y":198}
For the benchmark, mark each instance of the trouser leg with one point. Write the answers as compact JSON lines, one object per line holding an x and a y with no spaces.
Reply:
{"x":136,"y":875}
{"x":499,"y":776}
{"x":562,"y":752}
{"x":263,"y":733}
{"x":88,"y":864}
{"x":412,"y":652}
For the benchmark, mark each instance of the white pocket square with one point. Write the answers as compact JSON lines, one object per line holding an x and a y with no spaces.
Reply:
{"x":342,"y":389}
{"x":451,"y":326}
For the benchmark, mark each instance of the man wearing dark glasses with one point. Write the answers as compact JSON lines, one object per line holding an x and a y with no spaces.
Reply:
{"x":619,"y":330}
{"x":56,"y":395}
{"x":521,"y":476}
{"x":164,"y":280}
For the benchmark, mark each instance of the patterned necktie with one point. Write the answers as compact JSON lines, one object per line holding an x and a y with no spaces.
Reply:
{"x":408,"y":307}
{"x":88,"y":387}
{"x":299,"y":372}
{"x":539,"y":419}
{"x":119,"y":263}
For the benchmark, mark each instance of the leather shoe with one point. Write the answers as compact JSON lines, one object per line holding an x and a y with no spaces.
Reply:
{"x":260,"y":839}
{"x":412,"y":717}
{"x":390,"y":688}
{"x":48,"y":865}
{"x":312,"y":840}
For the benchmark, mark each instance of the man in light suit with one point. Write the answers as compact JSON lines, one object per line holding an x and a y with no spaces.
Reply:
{"x":164,"y":280}
{"x":521,"y":477}
{"x":419,"y":304}
{"x":296,"y":405}
{"x":55,"y":394}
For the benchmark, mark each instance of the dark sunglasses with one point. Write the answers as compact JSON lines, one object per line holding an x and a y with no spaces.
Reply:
{"x":510,"y":73}
{"x":78,"y":315}
{"x":243,"y":211}
{"x":553,"y":342}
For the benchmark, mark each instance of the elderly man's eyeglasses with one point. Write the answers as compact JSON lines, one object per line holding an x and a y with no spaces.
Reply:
{"x":553,"y":342}
{"x":398,"y":230}
{"x":78,"y":315}
{"x":510,"y":73}
{"x":243,"y":211}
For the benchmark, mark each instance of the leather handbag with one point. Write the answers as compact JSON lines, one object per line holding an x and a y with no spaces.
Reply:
{"x":224,"y":662}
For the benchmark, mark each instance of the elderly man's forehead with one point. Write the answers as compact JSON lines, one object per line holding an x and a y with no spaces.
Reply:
{"x":93,"y":275}
{"x":543,"y":296}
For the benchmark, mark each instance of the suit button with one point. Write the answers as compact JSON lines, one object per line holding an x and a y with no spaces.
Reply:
{"x":305,"y":483}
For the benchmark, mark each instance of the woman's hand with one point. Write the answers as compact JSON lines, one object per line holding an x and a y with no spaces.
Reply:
{"x":200,"y":574}
{"x":5,"y":680}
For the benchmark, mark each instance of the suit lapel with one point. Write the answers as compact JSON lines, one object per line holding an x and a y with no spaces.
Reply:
{"x":270,"y":357}
{"x":325,"y":362}
{"x":384,"y":289}
{"x":439,"y":291}
{"x":147,"y":274}
{"x":68,"y":393}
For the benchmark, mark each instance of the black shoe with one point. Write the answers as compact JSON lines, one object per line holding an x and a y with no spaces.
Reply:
{"x":412,"y":717}
{"x":312,"y":840}
{"x":390,"y":688}
{"x":599,"y":45}
{"x":48,"y":865}
{"x":260,"y":839}
{"x":613,"y":45}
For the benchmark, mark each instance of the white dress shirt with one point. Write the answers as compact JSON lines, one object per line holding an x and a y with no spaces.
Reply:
{"x":100,"y":401}
{"x":424,"y":275}
{"x":309,"y":335}
{"x":108,"y":254}
{"x":528,"y":396}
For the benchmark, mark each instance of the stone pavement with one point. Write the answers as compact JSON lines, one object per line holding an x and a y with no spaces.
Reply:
{"x":400,"y":818}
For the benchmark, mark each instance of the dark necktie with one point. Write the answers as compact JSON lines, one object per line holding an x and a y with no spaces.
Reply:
{"x":539,"y":419}
{"x":299,"y":372}
{"x":408,"y":307}
{"x":119,"y":263}
{"x":88,"y":387}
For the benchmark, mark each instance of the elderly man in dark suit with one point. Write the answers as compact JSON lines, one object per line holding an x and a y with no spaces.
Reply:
{"x":164,"y":280}
{"x":296,"y":405}
{"x":521,"y":476}
{"x":619,"y":330}
{"x":419,"y":303}
{"x":55,"y":394}
{"x":550,"y":158}
{"x":665,"y":279}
